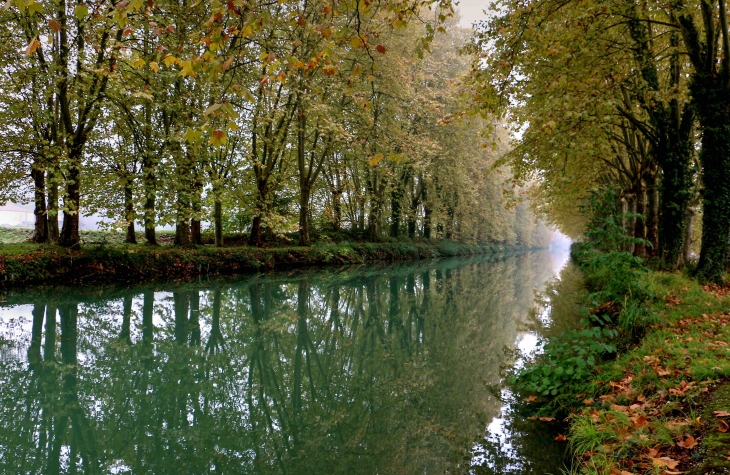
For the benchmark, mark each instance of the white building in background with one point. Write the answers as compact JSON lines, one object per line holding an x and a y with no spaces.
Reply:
{"x":13,"y":215}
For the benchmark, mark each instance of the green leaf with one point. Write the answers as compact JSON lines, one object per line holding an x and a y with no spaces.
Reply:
{"x":81,"y":11}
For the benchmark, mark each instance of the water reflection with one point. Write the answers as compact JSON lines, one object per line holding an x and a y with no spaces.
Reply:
{"x":380,"y":370}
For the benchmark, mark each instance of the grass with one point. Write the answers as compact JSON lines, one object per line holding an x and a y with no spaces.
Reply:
{"x":646,"y":411}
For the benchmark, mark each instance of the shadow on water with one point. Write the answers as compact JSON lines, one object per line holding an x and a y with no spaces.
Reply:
{"x":383,"y":370}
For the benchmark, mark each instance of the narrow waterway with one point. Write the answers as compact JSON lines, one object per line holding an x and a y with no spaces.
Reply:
{"x":371,"y":370}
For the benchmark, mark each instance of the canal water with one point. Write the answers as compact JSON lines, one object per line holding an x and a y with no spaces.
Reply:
{"x":389,"y":369}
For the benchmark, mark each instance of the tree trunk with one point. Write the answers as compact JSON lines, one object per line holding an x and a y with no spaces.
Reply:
{"x":373,"y":218}
{"x":412,"y":221}
{"x":52,"y":208}
{"x":40,"y":232}
{"x":395,"y":205}
{"x":218,"y":222}
{"x":131,"y":237}
{"x":640,"y":223}
{"x":336,"y":208}
{"x":70,"y":231}
{"x":195,"y":227}
{"x":195,"y":232}
{"x":304,"y":216}
{"x":690,"y":214}
{"x":255,"y":238}
{"x":182,"y":233}
{"x":427,"y":221}
{"x":652,"y":211}
{"x":712,"y":101}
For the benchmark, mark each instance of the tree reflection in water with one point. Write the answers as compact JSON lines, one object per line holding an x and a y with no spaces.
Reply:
{"x":369,"y":370}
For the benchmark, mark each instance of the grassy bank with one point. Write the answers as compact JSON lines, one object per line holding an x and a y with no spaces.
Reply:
{"x":641,"y":381}
{"x":23,"y":264}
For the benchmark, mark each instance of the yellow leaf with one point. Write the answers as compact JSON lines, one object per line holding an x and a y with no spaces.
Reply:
{"x":376,"y":159}
{"x":34,"y":7}
{"x":32,"y":46}
{"x":232,"y":125}
{"x":281,"y":77}
{"x":187,"y":69}
{"x":138,"y":63}
{"x":218,"y":138}
{"x":170,"y":60}
{"x":154,"y":66}
{"x":355,"y":42}
{"x":192,"y":135}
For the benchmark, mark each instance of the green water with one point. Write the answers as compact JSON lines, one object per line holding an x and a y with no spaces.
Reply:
{"x":371,"y":370}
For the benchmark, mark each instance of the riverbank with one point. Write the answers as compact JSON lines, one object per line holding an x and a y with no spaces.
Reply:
{"x":27,"y":264}
{"x":662,"y":405}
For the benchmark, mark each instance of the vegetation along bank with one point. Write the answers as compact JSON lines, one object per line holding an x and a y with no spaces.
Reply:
{"x":23,"y":264}
{"x":643,"y":381}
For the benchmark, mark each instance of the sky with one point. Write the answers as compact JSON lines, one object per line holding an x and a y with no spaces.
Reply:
{"x":471,"y":11}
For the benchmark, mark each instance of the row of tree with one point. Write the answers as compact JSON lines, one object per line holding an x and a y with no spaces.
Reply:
{"x":626,"y":95}
{"x":255,"y":116}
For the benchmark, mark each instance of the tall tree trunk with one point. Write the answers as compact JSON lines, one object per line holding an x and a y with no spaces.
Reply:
{"x":373,"y":218}
{"x":427,"y":211}
{"x":690,"y":214}
{"x":395,"y":208}
{"x":336,"y":207}
{"x":262,"y":188}
{"x":412,"y":219}
{"x":182,"y":221}
{"x":52,"y":208}
{"x":195,"y":226}
{"x":40,"y":232}
{"x":218,"y":222}
{"x":712,"y":101}
{"x":640,"y":223}
{"x":70,"y":231}
{"x":304,"y":193}
{"x":631,"y":205}
{"x":129,"y":214}
{"x":652,"y":210}
{"x":196,"y":236}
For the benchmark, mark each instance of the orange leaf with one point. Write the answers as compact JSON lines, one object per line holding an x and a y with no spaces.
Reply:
{"x":547,"y":419}
{"x":688,"y":443}
{"x":381,"y":49}
{"x":722,"y":426}
{"x":639,"y":421}
{"x":55,"y":26}
{"x":32,"y":46}
{"x":532,"y":398}
{"x":561,"y":438}
{"x":721,"y":413}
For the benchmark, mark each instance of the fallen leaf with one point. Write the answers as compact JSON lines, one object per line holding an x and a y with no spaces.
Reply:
{"x":547,"y":419}
{"x":561,"y":438}
{"x":670,"y":463}
{"x":532,"y":398}
{"x":639,"y":421}
{"x":688,"y":443}
{"x":588,"y":402}
{"x":722,"y":426}
{"x":721,"y":413}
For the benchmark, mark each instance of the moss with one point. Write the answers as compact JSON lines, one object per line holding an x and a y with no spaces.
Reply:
{"x":715,"y":446}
